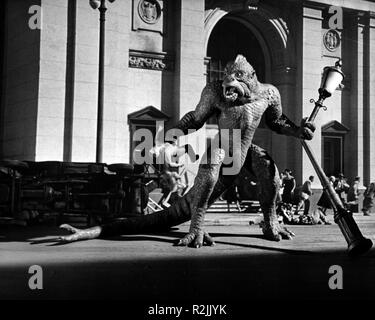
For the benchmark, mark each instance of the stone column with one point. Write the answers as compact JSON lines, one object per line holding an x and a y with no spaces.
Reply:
{"x":369,"y":99}
{"x":286,"y":151}
{"x":312,"y":65}
{"x":190,"y":70}
{"x":189,"y":78}
{"x":19,"y":104}
{"x":353,"y":93}
{"x":309,"y":71}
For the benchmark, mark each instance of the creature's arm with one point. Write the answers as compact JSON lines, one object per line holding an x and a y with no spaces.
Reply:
{"x":192,"y":120}
{"x":205,"y":109}
{"x":280,"y":123}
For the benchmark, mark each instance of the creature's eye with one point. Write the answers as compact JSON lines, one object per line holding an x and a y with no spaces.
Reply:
{"x":238,"y":74}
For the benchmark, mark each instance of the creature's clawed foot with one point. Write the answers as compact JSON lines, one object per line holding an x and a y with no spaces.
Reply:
{"x":196,"y":239}
{"x":277,"y":232}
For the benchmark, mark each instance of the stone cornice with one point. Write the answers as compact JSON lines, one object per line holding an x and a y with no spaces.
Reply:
{"x":159,"y":61}
{"x":358,"y":5}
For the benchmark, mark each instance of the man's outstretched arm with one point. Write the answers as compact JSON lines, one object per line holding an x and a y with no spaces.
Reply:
{"x":279,"y":122}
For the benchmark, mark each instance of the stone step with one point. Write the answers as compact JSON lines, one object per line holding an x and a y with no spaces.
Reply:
{"x":221,"y":206}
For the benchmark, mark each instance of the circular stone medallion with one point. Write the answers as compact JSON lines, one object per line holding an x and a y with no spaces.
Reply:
{"x":149,"y":11}
{"x":331,"y":40}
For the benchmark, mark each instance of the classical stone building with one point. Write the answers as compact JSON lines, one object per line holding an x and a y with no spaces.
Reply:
{"x":159,"y":56}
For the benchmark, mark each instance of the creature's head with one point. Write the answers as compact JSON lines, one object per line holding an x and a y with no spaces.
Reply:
{"x":240,"y":81}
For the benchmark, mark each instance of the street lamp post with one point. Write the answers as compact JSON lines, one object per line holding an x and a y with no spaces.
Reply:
{"x":357,"y":243}
{"x":101,"y":5}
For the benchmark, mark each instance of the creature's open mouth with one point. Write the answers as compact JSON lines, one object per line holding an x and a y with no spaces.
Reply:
{"x":231,"y":93}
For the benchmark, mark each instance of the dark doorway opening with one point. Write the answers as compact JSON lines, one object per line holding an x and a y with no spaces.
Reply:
{"x":229,"y":38}
{"x":333,"y":136}
{"x":3,"y":5}
{"x":333,"y":155}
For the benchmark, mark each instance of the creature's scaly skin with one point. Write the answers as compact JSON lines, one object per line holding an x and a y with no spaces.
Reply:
{"x":239,"y":103}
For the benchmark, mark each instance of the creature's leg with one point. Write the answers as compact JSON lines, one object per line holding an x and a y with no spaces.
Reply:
{"x":204,"y":185}
{"x":262,"y":166}
{"x":223,"y":183}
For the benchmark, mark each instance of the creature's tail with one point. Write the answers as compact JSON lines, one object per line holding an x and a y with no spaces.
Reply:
{"x":176,"y":214}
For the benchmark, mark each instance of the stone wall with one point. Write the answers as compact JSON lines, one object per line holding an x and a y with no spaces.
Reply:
{"x":370,"y":92}
{"x":51,"y":96}
{"x":20,"y":82}
{"x":190,"y":78}
{"x":115,"y":130}
{"x":315,"y":58}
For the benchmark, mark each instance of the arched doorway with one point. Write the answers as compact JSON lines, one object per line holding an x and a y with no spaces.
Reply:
{"x":229,"y":38}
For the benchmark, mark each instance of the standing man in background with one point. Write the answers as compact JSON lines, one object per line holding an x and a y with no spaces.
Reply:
{"x":368,"y":199}
{"x":289,"y":185}
{"x":353,"y":195}
{"x":304,"y":196}
{"x":341,"y":188}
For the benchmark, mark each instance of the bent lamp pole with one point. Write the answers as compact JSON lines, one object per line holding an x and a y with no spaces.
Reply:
{"x":357,"y":243}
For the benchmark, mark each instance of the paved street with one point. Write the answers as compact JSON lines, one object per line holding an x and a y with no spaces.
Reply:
{"x":242,"y":265}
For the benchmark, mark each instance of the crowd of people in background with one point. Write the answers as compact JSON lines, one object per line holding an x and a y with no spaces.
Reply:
{"x":368,"y":199}
{"x":292,"y":198}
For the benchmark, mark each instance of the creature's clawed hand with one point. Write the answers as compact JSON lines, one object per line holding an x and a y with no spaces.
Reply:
{"x":196,"y":239}
{"x":277,"y":232}
{"x":306,"y":130}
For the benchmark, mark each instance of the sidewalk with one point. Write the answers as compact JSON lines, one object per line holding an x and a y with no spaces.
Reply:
{"x":241,"y":266}
{"x":240,"y":218}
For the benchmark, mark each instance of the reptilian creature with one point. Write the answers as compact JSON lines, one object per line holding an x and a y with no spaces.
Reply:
{"x":239,"y":101}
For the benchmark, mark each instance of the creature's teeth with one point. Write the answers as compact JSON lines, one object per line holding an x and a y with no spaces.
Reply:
{"x":229,"y":91}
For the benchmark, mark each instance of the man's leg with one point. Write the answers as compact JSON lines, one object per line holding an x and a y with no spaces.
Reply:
{"x":299,"y":206}
{"x":263,"y":167}
{"x":307,"y":207}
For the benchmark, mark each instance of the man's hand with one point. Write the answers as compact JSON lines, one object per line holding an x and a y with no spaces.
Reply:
{"x":169,"y":153}
{"x":306,"y":130}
